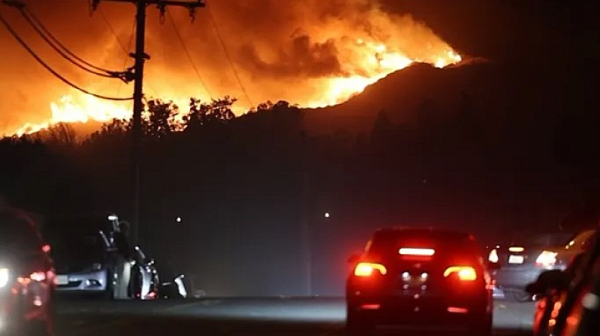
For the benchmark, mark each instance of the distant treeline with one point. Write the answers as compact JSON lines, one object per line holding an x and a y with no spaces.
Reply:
{"x":247,"y":188}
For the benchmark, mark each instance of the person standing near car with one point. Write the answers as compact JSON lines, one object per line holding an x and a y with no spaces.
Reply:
{"x":125,"y":261}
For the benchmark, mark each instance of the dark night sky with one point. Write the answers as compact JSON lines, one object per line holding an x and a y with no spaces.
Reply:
{"x":541,"y":32}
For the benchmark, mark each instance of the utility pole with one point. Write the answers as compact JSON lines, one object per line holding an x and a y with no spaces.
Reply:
{"x":140,"y":57}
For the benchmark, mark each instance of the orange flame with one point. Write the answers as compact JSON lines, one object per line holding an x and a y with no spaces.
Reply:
{"x":365,"y":58}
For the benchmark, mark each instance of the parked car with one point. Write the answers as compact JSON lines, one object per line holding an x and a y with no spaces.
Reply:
{"x":87,"y":257}
{"x":26,"y":277}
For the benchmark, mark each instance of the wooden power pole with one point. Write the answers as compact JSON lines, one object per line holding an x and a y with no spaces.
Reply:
{"x":140,"y":57}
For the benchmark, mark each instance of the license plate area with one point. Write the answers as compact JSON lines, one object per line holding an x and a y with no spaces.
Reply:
{"x":516,"y":259}
{"x":61,"y":280}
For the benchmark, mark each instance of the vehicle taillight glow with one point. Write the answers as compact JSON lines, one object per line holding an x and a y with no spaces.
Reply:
{"x":493,"y":257}
{"x":374,"y":306}
{"x":421,"y":252}
{"x":46,"y":248}
{"x":546,"y":259}
{"x":464,"y":273}
{"x":38,"y":276}
{"x":365,"y":269}
{"x":458,"y":310}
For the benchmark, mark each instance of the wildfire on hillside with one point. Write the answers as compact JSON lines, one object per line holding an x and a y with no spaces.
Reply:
{"x":311,"y":54}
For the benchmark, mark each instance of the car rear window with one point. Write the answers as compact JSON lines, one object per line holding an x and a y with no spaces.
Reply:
{"x":389,"y":242}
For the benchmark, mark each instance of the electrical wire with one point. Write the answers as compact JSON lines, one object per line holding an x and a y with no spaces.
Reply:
{"x":129,"y":44}
{"x":235,"y":72}
{"x":63,"y":53}
{"x":114,"y":33}
{"x":47,"y":67}
{"x":188,"y":54}
{"x":62,"y":46}
{"x":125,"y":49}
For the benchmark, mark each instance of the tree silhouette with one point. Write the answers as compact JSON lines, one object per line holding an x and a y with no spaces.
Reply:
{"x":62,"y":134}
{"x":203,"y":114}
{"x":159,"y":120}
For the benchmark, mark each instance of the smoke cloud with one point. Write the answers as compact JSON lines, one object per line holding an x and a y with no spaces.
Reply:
{"x":310,"y":52}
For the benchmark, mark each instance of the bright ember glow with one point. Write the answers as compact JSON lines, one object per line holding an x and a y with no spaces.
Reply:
{"x":421,"y":252}
{"x":78,"y":108}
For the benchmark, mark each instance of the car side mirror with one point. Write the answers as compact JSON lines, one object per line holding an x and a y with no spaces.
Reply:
{"x":547,"y":281}
{"x":354,"y":258}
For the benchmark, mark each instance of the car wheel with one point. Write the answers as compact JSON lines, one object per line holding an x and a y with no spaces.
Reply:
{"x":138,"y":283}
{"x":357,"y":326}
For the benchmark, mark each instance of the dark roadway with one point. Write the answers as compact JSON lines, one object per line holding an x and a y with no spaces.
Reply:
{"x":277,"y":316}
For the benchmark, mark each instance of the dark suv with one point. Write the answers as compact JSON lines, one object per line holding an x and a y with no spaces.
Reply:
{"x":26,"y":277}
{"x":420,"y":279}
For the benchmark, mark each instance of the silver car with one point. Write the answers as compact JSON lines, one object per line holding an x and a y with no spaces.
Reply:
{"x":87,"y":259}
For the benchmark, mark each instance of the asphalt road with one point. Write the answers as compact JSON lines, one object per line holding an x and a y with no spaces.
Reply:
{"x":236,"y":317}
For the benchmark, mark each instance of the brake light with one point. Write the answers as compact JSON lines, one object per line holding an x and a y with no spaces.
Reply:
{"x":546,"y":259}
{"x":38,"y":276}
{"x":46,"y":248}
{"x":420,"y":252}
{"x":464,"y":273}
{"x":365,"y":269}
{"x":493,"y":257}
{"x":516,"y":249}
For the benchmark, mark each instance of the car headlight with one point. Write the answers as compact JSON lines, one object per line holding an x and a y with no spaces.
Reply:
{"x":4,"y":277}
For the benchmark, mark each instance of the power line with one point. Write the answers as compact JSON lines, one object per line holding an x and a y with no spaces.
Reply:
{"x":52,"y":71}
{"x":235,"y":72}
{"x":188,"y":55}
{"x":125,"y":49}
{"x":66,"y":50}
{"x":34,"y":23}
{"x":112,"y":30}
{"x":129,"y":44}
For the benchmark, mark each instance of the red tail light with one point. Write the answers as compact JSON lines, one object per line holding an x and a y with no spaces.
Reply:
{"x":464,"y":273}
{"x":365,"y":269}
{"x":35,"y":277}
{"x":46,"y":248}
{"x":38,"y":276}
